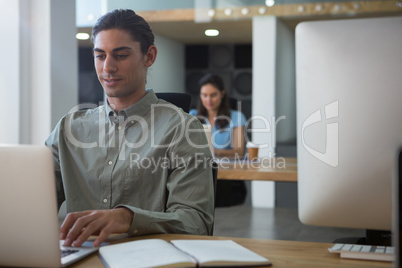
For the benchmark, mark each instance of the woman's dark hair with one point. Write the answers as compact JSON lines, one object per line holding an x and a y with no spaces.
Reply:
{"x":128,"y":20}
{"x":223,"y":110}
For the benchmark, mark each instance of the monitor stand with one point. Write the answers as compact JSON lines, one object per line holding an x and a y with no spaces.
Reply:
{"x":373,"y":237}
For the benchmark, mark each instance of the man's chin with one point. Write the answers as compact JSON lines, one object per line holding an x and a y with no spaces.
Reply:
{"x":113,"y":93}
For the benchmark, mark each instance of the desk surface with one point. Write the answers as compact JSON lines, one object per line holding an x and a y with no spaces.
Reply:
{"x":281,"y":253}
{"x":269,"y":169}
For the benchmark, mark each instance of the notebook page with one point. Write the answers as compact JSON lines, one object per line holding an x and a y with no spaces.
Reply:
{"x":218,"y":251}
{"x":144,"y":253}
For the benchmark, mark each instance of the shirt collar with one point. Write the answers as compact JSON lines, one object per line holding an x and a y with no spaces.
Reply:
{"x":139,"y":108}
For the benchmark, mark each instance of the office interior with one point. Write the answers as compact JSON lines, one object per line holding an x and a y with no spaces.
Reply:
{"x":46,"y":72}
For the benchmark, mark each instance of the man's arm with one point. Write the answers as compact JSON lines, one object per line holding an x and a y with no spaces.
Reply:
{"x":188,"y":206}
{"x":79,"y":226}
{"x":53,"y":143}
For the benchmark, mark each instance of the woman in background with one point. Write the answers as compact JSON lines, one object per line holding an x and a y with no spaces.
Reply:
{"x":227,"y":125}
{"x":227,"y":134}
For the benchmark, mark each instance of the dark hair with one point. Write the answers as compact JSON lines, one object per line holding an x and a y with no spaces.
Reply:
{"x":128,"y":20}
{"x":224,"y":109}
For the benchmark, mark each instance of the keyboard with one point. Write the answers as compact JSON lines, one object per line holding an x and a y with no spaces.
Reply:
{"x":364,"y":252}
{"x":66,"y":252}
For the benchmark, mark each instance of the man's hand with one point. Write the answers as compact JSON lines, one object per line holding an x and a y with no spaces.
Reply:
{"x":79,"y":226}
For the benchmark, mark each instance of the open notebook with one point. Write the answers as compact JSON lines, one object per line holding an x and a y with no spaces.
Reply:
{"x":29,"y":228}
{"x":180,"y":253}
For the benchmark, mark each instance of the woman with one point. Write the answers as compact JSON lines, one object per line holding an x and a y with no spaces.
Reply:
{"x":227,"y":134}
{"x":227,"y":125}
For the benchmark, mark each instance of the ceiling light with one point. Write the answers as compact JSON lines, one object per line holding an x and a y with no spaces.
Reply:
{"x":262,"y":10}
{"x":90,"y":17}
{"x":211,"y":13}
{"x":82,"y":36}
{"x":270,"y":3}
{"x":318,"y":8}
{"x":245,"y":11}
{"x":300,"y":8}
{"x":337,"y":7}
{"x":211,"y":32}
{"x":228,"y":12}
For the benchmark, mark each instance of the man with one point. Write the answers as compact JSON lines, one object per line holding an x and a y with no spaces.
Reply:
{"x":132,"y":165}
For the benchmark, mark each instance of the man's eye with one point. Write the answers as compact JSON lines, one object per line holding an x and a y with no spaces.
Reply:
{"x":122,"y":56}
{"x":99,"y":56}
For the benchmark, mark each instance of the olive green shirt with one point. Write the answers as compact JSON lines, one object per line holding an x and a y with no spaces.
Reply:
{"x":145,"y":158}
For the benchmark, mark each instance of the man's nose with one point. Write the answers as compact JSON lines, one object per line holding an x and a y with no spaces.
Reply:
{"x":109,"y":65}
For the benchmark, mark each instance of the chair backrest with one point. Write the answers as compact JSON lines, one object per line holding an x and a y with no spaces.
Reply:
{"x":181,"y":100}
{"x":214,"y":180}
{"x":232,"y":103}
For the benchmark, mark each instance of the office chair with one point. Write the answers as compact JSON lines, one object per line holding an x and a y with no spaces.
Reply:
{"x":232,"y":103}
{"x":232,"y":192}
{"x":181,"y":100}
{"x":214,"y":180}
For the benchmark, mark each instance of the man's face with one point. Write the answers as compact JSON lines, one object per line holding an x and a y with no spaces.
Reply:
{"x":120,"y":65}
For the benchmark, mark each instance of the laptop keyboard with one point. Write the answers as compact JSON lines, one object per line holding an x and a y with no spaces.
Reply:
{"x":66,"y":252}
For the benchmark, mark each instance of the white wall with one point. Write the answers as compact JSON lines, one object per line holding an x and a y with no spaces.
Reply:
{"x":9,"y":71}
{"x":141,"y":5}
{"x":263,"y":98}
{"x":274,"y":94}
{"x":63,"y":59}
{"x":167,"y":73}
{"x":39,"y":81}
{"x":285,"y":84}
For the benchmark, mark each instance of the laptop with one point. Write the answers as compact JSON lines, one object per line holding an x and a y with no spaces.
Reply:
{"x":397,"y":210}
{"x":29,"y":228}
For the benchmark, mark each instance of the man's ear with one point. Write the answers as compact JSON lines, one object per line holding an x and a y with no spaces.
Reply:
{"x":150,"y":57}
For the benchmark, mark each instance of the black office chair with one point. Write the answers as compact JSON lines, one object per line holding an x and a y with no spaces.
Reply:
{"x":232,"y":192}
{"x":214,"y":181}
{"x":232,"y":103}
{"x":181,"y":100}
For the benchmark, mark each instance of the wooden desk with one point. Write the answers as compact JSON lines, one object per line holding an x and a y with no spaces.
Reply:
{"x":282,"y":254}
{"x":274,"y":169}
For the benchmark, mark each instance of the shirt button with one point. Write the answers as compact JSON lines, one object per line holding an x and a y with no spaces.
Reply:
{"x":110,"y":163}
{"x":120,"y":127}
{"x":135,"y":231}
{"x":105,"y":200}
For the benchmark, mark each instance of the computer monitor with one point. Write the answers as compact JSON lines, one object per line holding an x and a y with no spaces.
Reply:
{"x":349,"y":120}
{"x":397,"y":210}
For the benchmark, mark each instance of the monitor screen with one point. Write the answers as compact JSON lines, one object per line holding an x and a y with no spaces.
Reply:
{"x":349,"y":120}
{"x":397,"y":209}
